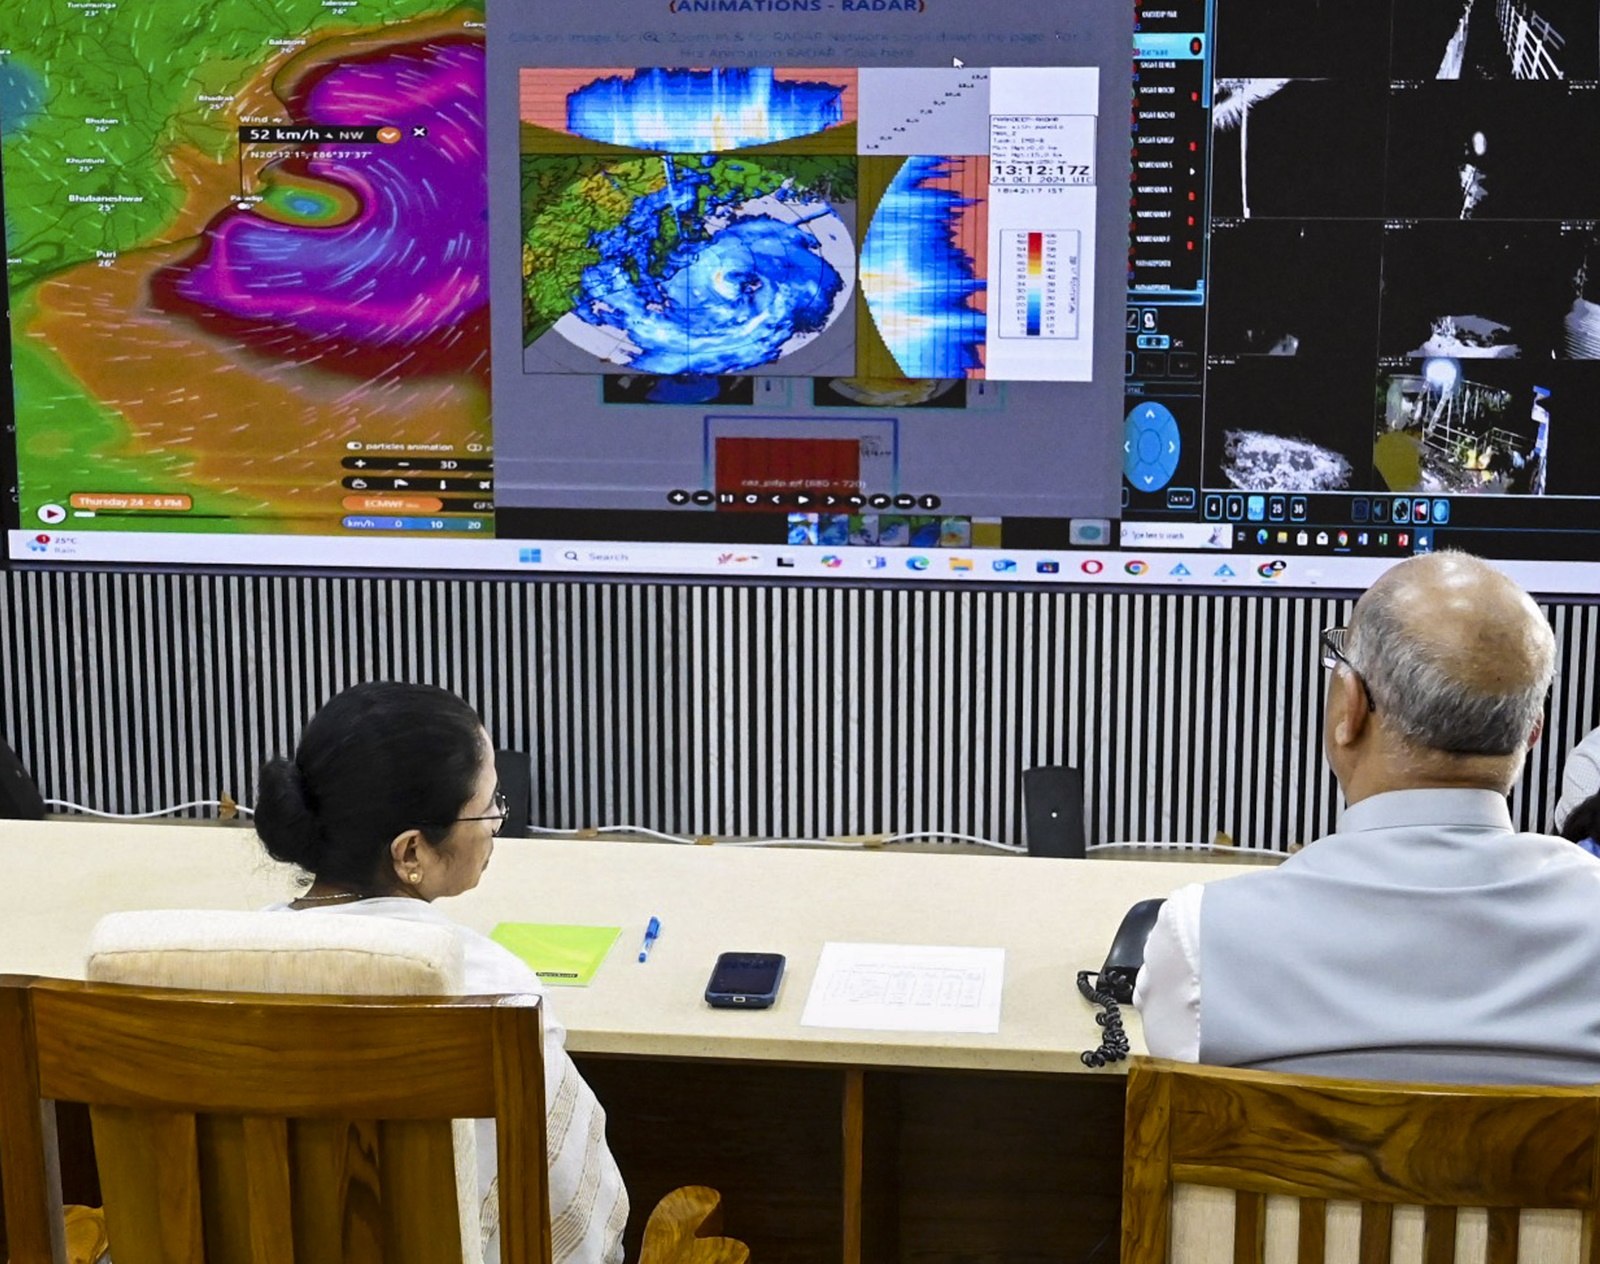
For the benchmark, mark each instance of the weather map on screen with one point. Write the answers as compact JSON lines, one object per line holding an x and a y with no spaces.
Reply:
{"x":237,"y":286}
{"x":677,"y":261}
{"x":651,"y":240}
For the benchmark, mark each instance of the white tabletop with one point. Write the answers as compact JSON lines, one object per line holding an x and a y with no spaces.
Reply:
{"x":1052,"y":917}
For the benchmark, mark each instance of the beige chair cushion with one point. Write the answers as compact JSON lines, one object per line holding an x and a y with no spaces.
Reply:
{"x":288,"y":952}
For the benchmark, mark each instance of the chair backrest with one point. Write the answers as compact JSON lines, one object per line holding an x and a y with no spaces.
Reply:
{"x":277,"y":1130}
{"x":304,"y":954}
{"x":1217,"y":1162}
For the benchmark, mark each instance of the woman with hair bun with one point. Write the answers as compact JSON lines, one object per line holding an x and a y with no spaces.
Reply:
{"x":390,"y":803}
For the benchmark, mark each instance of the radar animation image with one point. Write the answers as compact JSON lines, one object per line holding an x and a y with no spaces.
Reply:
{"x":688,"y":223}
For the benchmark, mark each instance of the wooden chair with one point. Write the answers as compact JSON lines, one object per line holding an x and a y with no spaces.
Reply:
{"x":229,"y":951}
{"x":1370,"y":1167}
{"x":267,"y":1128}
{"x":231,"y":1127}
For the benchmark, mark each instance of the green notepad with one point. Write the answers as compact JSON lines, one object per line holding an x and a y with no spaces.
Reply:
{"x":562,"y":956}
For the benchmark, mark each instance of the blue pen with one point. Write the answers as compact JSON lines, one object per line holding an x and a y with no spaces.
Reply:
{"x":650,"y":934}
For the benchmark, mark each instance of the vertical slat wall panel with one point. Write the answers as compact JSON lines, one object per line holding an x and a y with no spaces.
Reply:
{"x":739,"y":710}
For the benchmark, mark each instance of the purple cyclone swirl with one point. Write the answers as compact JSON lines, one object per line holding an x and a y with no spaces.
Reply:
{"x":405,"y":279}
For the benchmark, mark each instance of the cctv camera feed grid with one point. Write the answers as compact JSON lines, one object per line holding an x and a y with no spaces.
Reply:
{"x":1391,"y":339}
{"x":255,"y":295}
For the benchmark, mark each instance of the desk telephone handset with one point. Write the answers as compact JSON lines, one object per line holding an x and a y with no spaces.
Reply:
{"x":1113,"y":985}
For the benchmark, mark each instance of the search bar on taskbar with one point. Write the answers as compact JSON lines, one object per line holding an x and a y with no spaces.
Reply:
{"x":600,"y":558}
{"x":1176,"y":535}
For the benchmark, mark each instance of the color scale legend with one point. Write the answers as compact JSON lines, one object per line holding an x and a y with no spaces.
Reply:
{"x":1041,"y":275}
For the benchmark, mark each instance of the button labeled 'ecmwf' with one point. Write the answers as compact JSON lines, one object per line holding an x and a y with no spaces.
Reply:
{"x":393,"y":504}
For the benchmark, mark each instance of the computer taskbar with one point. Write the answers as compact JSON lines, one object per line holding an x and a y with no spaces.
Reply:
{"x":1159,"y":567}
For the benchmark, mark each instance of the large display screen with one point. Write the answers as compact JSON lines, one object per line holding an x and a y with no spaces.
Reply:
{"x":899,"y":290}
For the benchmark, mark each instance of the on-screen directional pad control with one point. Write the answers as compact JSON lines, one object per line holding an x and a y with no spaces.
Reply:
{"x":1150,"y":447}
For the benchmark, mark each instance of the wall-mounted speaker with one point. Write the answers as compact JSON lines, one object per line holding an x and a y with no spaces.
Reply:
{"x":19,"y":797}
{"x":515,"y":770}
{"x":1052,"y":801}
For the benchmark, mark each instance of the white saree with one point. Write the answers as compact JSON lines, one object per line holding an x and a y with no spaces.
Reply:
{"x":588,"y":1204}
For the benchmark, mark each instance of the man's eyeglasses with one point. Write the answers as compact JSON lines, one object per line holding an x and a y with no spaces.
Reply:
{"x":501,"y":806}
{"x":1333,"y":655}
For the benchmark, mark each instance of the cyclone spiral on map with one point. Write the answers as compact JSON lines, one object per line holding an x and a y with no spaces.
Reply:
{"x":717,"y":264}
{"x":354,"y":260}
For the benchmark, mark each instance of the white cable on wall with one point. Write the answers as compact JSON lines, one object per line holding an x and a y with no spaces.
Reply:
{"x":227,"y":808}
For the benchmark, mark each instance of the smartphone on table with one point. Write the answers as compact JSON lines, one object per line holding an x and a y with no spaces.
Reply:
{"x":745,"y":980}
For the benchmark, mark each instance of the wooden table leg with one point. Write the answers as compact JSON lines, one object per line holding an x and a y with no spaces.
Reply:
{"x":870,"y":1135}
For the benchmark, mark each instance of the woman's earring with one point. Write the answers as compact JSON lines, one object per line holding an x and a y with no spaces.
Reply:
{"x":414,"y":876}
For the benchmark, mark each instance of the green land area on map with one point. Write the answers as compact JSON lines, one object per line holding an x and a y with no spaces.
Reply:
{"x":120,"y":144}
{"x":105,"y":96}
{"x":569,"y":199}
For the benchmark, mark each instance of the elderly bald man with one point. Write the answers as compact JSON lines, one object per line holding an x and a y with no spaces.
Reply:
{"x":1426,"y":939}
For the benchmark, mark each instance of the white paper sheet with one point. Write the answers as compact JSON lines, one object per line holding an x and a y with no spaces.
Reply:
{"x":906,"y":987}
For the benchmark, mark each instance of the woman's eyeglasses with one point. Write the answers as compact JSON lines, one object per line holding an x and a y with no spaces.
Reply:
{"x":501,"y":806}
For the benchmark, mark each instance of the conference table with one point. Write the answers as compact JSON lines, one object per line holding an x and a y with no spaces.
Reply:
{"x":827,"y":1143}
